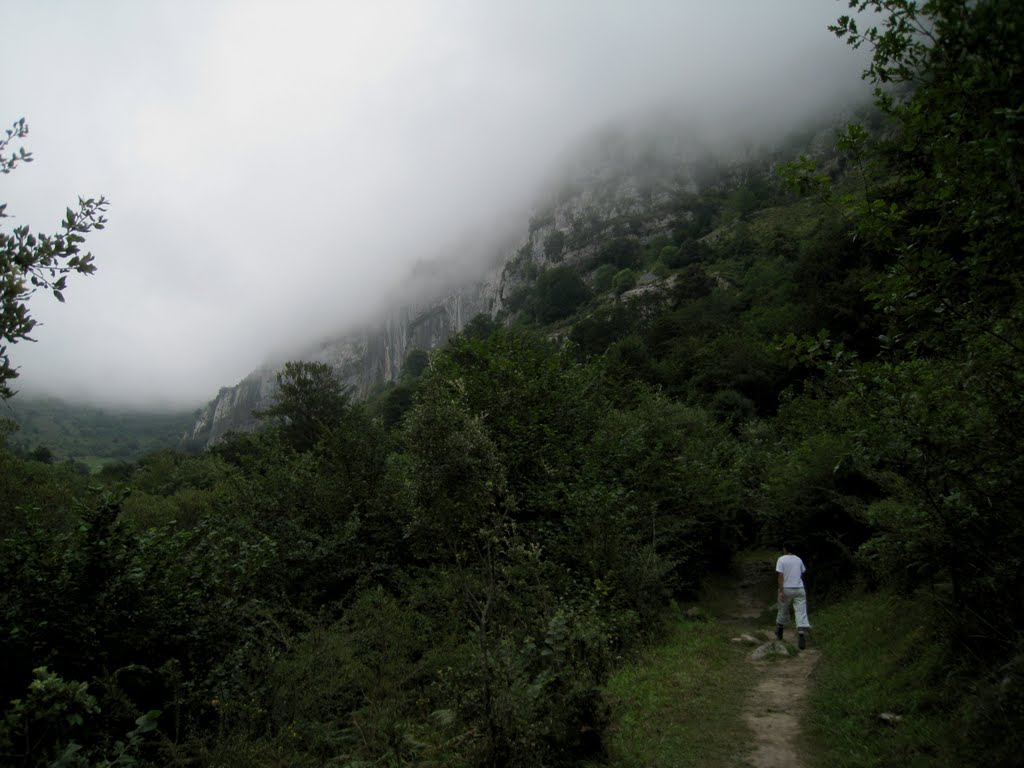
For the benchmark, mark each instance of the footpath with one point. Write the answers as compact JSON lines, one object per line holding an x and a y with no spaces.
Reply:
{"x":775,"y":706}
{"x":722,"y":692}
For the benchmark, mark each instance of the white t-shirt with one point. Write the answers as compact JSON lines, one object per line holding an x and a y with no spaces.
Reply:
{"x":792,"y":569}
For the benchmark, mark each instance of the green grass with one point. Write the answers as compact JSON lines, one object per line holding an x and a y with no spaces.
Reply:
{"x":878,"y":655}
{"x":679,"y":704}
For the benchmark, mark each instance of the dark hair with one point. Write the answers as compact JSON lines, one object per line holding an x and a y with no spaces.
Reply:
{"x":787,"y":546}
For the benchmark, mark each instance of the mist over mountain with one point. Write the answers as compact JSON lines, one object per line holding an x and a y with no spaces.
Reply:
{"x":276,"y":171}
{"x":628,"y":188}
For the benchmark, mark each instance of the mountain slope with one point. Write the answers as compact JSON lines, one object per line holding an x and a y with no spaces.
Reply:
{"x":636,"y":204}
{"x":88,"y":433}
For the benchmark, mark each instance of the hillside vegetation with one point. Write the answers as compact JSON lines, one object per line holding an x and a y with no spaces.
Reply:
{"x":90,"y":435}
{"x":826,"y":351}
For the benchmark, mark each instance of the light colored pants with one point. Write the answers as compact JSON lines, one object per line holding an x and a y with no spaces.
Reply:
{"x":796,"y":597}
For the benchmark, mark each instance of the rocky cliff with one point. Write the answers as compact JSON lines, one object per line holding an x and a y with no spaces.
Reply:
{"x":364,"y":359}
{"x":616,"y":187}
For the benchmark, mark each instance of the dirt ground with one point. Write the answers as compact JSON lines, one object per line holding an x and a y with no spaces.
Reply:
{"x":775,"y":706}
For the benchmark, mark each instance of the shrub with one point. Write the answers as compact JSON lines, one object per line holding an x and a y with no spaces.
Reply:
{"x":558,"y":293}
{"x":554,"y":244}
{"x":621,"y":252}
{"x":623,"y":281}
{"x":603,"y":277}
{"x":689,"y":252}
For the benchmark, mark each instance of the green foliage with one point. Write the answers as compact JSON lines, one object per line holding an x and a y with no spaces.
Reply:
{"x":699,"y":214}
{"x":677,"y":471}
{"x":732,"y":409}
{"x":622,"y":253}
{"x":530,"y":394}
{"x":932,"y":412}
{"x":46,"y":728}
{"x":29,"y":262}
{"x":42,"y":728}
{"x":451,"y":477}
{"x":603,"y":277}
{"x":310,"y":400}
{"x":691,"y":284}
{"x":43,"y":492}
{"x":558,"y":293}
{"x":920,"y":424}
{"x":481,"y":327}
{"x":594,"y":334}
{"x":554,"y":245}
{"x":659,"y":270}
{"x":814,"y":497}
{"x":689,"y":252}
{"x":397,"y":402}
{"x":416,"y":362}
{"x":78,"y":431}
{"x":624,"y":280}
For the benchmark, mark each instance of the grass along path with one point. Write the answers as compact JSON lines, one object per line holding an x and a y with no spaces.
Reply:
{"x":699,"y":700}
{"x":679,"y":704}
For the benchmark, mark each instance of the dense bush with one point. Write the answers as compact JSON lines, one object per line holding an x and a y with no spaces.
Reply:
{"x":558,"y":293}
{"x":306,"y":591}
{"x":621,"y":253}
{"x":624,"y":280}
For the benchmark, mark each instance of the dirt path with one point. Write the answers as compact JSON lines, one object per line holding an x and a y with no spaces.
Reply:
{"x":775,"y":707}
{"x":700,"y":699}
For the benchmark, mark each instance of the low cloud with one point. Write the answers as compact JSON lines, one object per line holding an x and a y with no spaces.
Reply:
{"x":276,"y":168}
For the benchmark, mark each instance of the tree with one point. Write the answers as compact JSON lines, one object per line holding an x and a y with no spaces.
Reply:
{"x":624,"y":280}
{"x":554,"y":244}
{"x":937,"y":413}
{"x":603,"y":277}
{"x":416,"y":362}
{"x":559,"y":292}
{"x":621,"y":252}
{"x":952,"y":212}
{"x":29,"y":262}
{"x":310,"y":401}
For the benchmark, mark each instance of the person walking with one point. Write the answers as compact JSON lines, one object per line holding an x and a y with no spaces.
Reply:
{"x":790,"y":570}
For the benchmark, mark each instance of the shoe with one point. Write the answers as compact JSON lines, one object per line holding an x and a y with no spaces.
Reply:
{"x":801,"y":640}
{"x":778,"y":631}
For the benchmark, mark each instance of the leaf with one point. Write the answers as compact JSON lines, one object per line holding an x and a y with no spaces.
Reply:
{"x":147,"y":722}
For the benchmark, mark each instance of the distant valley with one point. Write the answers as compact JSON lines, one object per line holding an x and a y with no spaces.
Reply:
{"x":60,"y":431}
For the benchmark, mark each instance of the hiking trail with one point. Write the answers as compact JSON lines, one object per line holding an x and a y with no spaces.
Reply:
{"x":775,"y":706}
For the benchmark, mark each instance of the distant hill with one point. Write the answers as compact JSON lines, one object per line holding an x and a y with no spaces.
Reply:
{"x":89,"y":434}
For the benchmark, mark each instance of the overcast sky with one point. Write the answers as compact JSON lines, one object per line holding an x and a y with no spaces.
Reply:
{"x":274,"y":168}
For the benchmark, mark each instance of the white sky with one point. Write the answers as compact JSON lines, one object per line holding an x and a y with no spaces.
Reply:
{"x":274,"y":168}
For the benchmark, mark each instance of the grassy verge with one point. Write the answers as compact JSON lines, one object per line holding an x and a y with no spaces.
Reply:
{"x":879,"y":656}
{"x":679,"y":704}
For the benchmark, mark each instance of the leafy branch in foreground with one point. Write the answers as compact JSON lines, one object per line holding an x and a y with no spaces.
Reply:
{"x":30,"y":261}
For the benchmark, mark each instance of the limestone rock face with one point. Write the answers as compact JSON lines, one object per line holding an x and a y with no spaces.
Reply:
{"x":233,"y":408}
{"x":614,"y":190}
{"x":363,"y":359}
